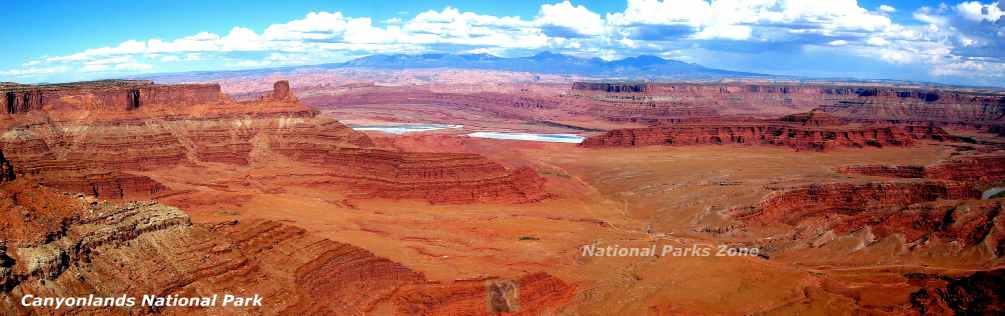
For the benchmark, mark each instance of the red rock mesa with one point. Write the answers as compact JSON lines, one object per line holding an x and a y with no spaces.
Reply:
{"x":95,"y":137}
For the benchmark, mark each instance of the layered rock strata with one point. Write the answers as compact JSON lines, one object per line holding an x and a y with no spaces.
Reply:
{"x":979,"y":293}
{"x":937,"y":215}
{"x":77,"y":247}
{"x":980,"y":169}
{"x":89,"y":138}
{"x":924,"y":220}
{"x":856,"y":102}
{"x":812,"y":131}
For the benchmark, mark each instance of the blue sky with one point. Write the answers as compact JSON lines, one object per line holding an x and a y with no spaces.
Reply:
{"x":961,"y":42}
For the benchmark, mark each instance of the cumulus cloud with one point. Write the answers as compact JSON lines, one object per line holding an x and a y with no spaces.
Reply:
{"x":948,"y":40}
{"x":565,"y":20}
{"x":978,"y":12}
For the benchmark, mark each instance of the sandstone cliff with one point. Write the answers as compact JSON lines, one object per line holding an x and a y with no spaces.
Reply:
{"x":857,"y":102}
{"x":936,"y":216}
{"x":76,"y":246}
{"x":979,"y":293}
{"x":980,"y":169}
{"x":98,"y":137}
{"x":810,"y":131}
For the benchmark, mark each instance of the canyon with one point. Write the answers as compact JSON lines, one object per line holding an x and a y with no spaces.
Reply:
{"x":96,"y":137}
{"x":93,"y":247}
{"x":859,"y":197}
{"x":809,"y":131}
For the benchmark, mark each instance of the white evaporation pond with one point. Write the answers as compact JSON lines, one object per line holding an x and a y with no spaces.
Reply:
{"x":402,"y":128}
{"x":554,"y":138}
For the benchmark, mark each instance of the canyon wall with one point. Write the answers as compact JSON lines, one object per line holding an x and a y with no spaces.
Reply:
{"x":792,"y":205}
{"x":103,"y":95}
{"x":810,"y":131}
{"x":864,"y":103}
{"x":937,"y":215}
{"x":979,"y":169}
{"x":78,"y":246}
{"x":93,"y":139}
{"x":505,"y":105}
{"x":979,"y":293}
{"x":662,"y":103}
{"x":878,"y":222}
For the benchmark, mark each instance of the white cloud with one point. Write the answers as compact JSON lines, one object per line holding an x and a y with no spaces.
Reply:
{"x":753,"y":19}
{"x":32,"y":71}
{"x":969,"y":68}
{"x":577,"y":19}
{"x":877,"y":41}
{"x":949,"y":38}
{"x":976,"y":11}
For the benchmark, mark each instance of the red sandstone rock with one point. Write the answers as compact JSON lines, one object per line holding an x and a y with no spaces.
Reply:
{"x":791,"y":206}
{"x":814,"y":118}
{"x":806,"y":132}
{"x":191,"y":124}
{"x":979,"y":169}
{"x":145,"y":248}
{"x":6,"y":169}
{"x":281,"y":92}
{"x":868,"y":103}
{"x":979,"y":293}
{"x":926,"y":219}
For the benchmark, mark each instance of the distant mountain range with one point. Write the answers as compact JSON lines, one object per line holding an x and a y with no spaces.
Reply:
{"x":644,"y":66}
{"x":632,"y":68}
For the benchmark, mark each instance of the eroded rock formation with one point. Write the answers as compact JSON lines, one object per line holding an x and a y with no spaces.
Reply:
{"x":792,"y":205}
{"x":868,"y":103}
{"x":97,"y":138}
{"x":78,"y":246}
{"x":811,"y":131}
{"x":937,"y":215}
{"x":980,"y":169}
{"x":980,"y":293}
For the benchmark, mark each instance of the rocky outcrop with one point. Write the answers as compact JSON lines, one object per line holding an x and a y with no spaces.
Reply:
{"x":795,"y":204}
{"x":978,"y":169}
{"x":802,"y":132}
{"x":980,"y":293}
{"x":854,"y":102}
{"x":504,"y":105}
{"x":435,"y":177}
{"x":814,"y":118}
{"x":610,"y":87}
{"x":112,"y":95}
{"x":923,"y":220}
{"x":6,"y":169}
{"x":95,"y":139}
{"x":144,"y":248}
{"x":280,"y":92}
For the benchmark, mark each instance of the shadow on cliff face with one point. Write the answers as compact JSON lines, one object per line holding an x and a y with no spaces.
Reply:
{"x":981,"y":293}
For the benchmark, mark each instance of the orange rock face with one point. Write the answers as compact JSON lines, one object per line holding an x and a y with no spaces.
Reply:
{"x":75,"y":249}
{"x":861,"y":103}
{"x":791,"y":206}
{"x":980,"y":169}
{"x":803,"y":132}
{"x":939,"y":216}
{"x":97,"y":137}
{"x":979,"y":293}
